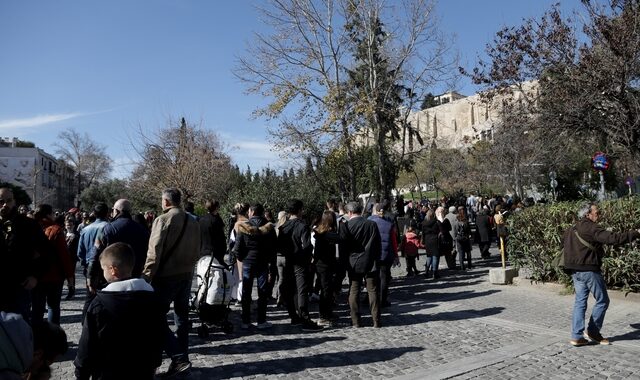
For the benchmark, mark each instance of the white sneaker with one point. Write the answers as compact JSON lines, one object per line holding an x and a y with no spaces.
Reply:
{"x":264,"y":326}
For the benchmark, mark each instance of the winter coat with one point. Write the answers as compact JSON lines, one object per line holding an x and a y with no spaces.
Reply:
{"x":255,"y":242}
{"x":213,"y":240}
{"x":483,"y":224}
{"x":164,"y":233}
{"x":389,"y":244}
{"x":121,"y":229}
{"x":445,"y":239}
{"x":324,"y":252}
{"x":86,"y":246}
{"x":25,"y":252}
{"x":430,"y":232}
{"x":362,"y":242}
{"x":410,"y":244}
{"x":577,"y":256}
{"x":294,"y":242}
{"x":123,"y":333}
{"x":60,"y":266}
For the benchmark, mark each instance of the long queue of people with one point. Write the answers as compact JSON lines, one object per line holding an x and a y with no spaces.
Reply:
{"x":136,"y":266}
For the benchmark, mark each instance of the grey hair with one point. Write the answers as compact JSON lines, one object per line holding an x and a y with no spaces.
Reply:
{"x":353,"y":207}
{"x":173,"y":195}
{"x":585,"y":209}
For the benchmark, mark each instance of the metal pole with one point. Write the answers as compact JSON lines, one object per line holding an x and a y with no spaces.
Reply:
{"x":504,"y":264}
{"x":601,"y":195}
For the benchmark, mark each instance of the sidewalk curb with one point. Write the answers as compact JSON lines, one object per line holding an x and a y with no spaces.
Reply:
{"x":562,"y":290}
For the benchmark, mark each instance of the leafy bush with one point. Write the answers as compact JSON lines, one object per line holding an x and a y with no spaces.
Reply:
{"x":536,"y":238}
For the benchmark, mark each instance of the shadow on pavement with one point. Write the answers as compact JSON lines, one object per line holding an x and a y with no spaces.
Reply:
{"x":299,"y":364}
{"x":74,"y":318}
{"x":631,"y":335}
{"x":412,"y":319}
{"x":263,"y":346}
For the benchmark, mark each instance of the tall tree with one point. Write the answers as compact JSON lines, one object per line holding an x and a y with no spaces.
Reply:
{"x":303,"y":66}
{"x":183,"y":156}
{"x":582,"y":87}
{"x":88,"y":158}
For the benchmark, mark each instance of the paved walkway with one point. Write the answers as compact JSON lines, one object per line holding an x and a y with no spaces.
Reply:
{"x":459,"y":327}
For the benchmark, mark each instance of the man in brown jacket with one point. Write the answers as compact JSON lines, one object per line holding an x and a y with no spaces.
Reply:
{"x":583,"y":254}
{"x":174,"y":248}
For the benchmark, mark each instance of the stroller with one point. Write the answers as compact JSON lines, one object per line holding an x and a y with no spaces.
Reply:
{"x":212,"y":299}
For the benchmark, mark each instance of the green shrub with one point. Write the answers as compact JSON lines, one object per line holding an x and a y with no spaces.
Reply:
{"x":536,"y":238}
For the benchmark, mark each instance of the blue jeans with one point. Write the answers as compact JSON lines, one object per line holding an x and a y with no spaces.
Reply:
{"x":260,"y":273}
{"x":584,"y":283}
{"x":43,"y":295}
{"x":432,"y":262}
{"x":178,"y":292}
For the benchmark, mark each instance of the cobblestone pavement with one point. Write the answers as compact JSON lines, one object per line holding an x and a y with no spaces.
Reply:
{"x":459,"y":327}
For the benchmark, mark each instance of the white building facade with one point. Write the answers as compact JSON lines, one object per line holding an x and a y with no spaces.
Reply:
{"x":45,"y":178}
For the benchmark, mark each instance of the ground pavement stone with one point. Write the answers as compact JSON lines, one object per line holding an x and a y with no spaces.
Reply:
{"x":459,"y":327}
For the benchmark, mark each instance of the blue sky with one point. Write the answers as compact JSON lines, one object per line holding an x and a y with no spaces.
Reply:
{"x":110,"y":67}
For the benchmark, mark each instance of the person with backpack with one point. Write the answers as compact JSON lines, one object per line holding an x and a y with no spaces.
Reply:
{"x":463,"y":239}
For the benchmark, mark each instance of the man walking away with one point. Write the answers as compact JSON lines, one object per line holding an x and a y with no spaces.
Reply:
{"x":363,"y":245}
{"x":122,"y":229}
{"x":388,"y":255}
{"x":583,"y":254}
{"x":294,"y":241}
{"x":174,"y":248}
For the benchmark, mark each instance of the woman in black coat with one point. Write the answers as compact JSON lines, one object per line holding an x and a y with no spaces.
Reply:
{"x":483,"y":224}
{"x":324,"y":258}
{"x":430,"y":232}
{"x":444,"y":239}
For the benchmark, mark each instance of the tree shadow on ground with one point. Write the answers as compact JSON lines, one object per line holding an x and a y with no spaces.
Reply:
{"x":264,"y":346}
{"x":298,"y":364}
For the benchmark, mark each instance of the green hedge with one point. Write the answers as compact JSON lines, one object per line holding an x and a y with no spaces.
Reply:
{"x":536,"y":237}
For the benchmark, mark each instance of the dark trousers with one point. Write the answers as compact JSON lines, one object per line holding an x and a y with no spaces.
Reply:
{"x":371,"y":280}
{"x":260,"y":273}
{"x":338,"y":278}
{"x":463,"y":247}
{"x":178,"y":292}
{"x":484,"y":248}
{"x":385,"y":281}
{"x":411,"y":265}
{"x":325,"y":274}
{"x":297,"y":290}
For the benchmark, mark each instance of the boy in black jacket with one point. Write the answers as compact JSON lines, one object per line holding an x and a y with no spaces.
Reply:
{"x":123,"y":332}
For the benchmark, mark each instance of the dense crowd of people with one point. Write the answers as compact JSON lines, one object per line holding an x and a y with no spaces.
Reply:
{"x":137,"y":265}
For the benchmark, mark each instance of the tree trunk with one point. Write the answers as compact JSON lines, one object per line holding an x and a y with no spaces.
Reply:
{"x":350,"y":160}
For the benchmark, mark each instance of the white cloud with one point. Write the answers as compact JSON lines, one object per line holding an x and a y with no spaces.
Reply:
{"x":36,"y":121}
{"x":257,"y":155}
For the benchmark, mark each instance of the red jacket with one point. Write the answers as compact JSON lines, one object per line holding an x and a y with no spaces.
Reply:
{"x":60,"y":266}
{"x":410,"y":244}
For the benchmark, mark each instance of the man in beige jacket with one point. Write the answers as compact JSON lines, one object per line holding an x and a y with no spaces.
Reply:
{"x":174,"y":248}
